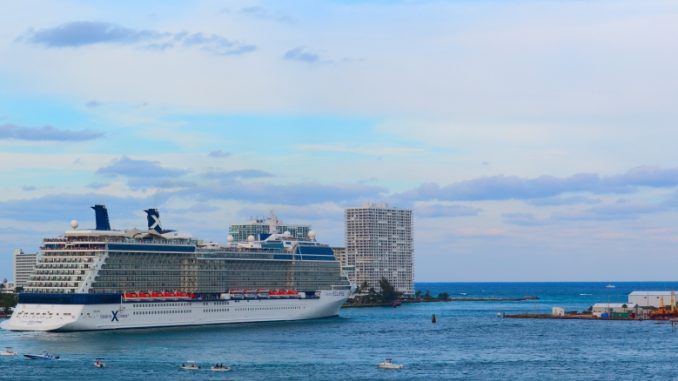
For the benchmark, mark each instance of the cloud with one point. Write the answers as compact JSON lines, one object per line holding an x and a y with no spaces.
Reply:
{"x":517,"y":188}
{"x":214,"y":44}
{"x":437,"y":210}
{"x":64,"y":207}
{"x":46,"y":133}
{"x":621,"y":210}
{"x":81,"y":33}
{"x":523,"y":219}
{"x":287,"y":194}
{"x":219,"y":154}
{"x":563,"y":200}
{"x":472,"y":232}
{"x":379,"y":150}
{"x":266,"y":14}
{"x":92,"y":104}
{"x":131,"y":168}
{"x":222,"y":175}
{"x":302,"y":55}
{"x":297,"y":213}
{"x":167,"y":185}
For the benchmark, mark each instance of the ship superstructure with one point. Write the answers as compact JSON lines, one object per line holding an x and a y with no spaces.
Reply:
{"x":109,"y":279}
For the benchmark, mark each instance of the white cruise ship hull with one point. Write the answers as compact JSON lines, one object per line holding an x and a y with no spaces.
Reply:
{"x":86,"y":317}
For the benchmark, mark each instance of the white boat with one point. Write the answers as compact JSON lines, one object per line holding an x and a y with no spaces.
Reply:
{"x":8,"y":352}
{"x":99,"y":363}
{"x":44,"y":356}
{"x":388,"y":364}
{"x":190,"y":365}
{"x":610,"y":286}
{"x":221,"y":368}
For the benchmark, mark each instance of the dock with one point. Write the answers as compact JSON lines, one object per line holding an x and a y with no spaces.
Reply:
{"x":566,"y":317}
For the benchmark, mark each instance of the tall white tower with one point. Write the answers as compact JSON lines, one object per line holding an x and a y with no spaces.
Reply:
{"x":379,"y":244}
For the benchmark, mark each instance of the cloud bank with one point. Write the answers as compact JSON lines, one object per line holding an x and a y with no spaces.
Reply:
{"x":517,"y":188}
{"x":46,"y":133}
{"x":81,"y":33}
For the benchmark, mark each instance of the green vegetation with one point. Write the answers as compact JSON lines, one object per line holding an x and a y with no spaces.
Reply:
{"x":7,"y":301}
{"x":386,"y":296}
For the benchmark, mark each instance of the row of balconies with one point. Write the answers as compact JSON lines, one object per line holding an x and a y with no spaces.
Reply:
{"x":55,"y":277}
{"x":67,"y":260}
{"x":71,"y":252}
{"x":59,"y":271}
{"x":33,"y":285}
{"x":61,"y":267}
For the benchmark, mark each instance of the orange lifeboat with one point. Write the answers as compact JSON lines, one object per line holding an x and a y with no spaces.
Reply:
{"x":131,"y":296}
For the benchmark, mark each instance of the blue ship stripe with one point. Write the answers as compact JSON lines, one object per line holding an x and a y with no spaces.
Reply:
{"x":44,"y":298}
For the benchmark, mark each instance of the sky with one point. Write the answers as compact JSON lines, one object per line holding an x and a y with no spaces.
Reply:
{"x":534,"y":140}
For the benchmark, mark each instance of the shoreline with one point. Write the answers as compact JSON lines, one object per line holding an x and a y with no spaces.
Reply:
{"x":449,"y":299}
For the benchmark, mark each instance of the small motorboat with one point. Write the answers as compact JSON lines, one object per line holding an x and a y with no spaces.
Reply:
{"x":610,"y":286}
{"x":44,"y":356}
{"x":190,"y":365}
{"x":221,"y":368}
{"x":388,"y":364}
{"x":99,"y":363}
{"x":8,"y":352}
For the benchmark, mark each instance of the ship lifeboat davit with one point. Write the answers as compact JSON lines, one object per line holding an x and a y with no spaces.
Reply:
{"x":131,"y":296}
{"x":146,"y":296}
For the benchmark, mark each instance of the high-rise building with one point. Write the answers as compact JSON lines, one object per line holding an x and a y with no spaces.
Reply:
{"x":379,"y":244}
{"x":346,"y":269}
{"x":270,"y":225}
{"x":24,"y":265}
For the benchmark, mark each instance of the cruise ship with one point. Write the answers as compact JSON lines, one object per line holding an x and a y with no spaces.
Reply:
{"x":99,"y":279}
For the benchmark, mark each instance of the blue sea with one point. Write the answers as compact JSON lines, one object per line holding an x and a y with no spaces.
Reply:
{"x":469,"y":342}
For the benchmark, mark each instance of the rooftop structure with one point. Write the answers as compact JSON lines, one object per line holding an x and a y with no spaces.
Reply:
{"x":259,"y":228}
{"x":651,"y":298}
{"x":599,"y":309}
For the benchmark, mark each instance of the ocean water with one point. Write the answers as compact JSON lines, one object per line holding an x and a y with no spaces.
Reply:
{"x":469,"y":342}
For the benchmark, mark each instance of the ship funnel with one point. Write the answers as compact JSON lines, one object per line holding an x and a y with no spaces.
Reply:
{"x":101,"y":214}
{"x":153,"y":217}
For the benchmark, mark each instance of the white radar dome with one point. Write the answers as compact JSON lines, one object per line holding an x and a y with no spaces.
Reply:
{"x":74,"y":224}
{"x":311,"y":235}
{"x":229,"y":238}
{"x":250,"y":238}
{"x":287,"y":233}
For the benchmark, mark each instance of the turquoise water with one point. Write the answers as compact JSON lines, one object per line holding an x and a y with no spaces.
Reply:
{"x":469,"y":342}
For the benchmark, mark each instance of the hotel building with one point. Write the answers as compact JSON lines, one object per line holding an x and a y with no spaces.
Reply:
{"x":379,"y":244}
{"x":24,"y":265}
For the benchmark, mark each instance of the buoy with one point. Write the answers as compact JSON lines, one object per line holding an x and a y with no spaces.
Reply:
{"x":433,"y":319}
